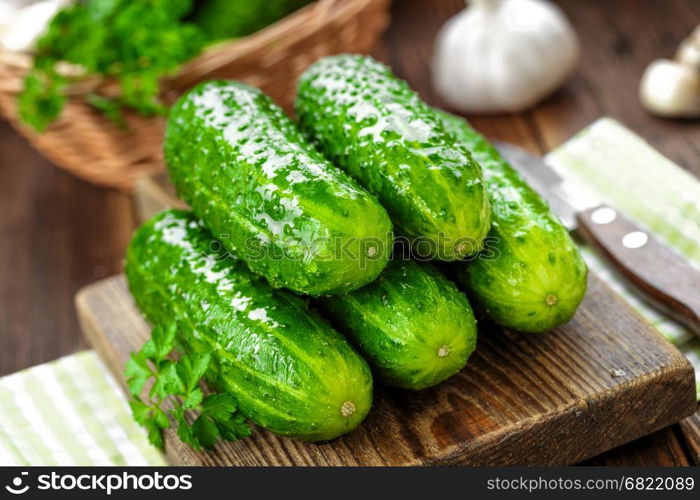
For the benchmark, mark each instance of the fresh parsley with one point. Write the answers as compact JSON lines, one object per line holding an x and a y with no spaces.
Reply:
{"x":176,"y":396}
{"x":136,"y":42}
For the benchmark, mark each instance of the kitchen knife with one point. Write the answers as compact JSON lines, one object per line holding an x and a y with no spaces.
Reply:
{"x":664,"y":278}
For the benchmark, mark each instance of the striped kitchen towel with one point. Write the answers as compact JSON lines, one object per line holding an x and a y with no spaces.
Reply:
{"x":69,"y":412}
{"x":621,"y":169}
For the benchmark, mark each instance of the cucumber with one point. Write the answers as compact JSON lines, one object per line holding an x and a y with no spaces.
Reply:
{"x":413,"y":325}
{"x":269,"y":196}
{"x":532,"y":277}
{"x":375,"y":127}
{"x":289,"y":370}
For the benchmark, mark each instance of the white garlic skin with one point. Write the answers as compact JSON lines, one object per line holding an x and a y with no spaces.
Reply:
{"x":23,"y":22}
{"x":503,"y":55}
{"x":669,"y":88}
{"x":689,"y":51}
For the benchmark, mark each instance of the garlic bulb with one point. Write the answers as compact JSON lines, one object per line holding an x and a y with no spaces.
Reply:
{"x":689,"y":50}
{"x":503,"y":55}
{"x":672,"y":87}
{"x":22,"y":22}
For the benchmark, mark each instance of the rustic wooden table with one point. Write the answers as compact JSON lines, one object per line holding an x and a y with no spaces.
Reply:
{"x":58,"y":233}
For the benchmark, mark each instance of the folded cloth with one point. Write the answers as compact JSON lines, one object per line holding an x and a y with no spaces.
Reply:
{"x":71,"y":411}
{"x":621,"y":169}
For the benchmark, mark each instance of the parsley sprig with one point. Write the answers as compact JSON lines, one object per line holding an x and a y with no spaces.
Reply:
{"x":176,"y":396}
{"x":134,"y":42}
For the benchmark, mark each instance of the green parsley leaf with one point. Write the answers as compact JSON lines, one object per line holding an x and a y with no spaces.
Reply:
{"x":235,"y":427}
{"x":205,"y":430}
{"x":42,"y":99}
{"x":137,"y":373}
{"x":193,"y":399}
{"x":161,"y":418}
{"x":136,"y":42}
{"x":152,"y":419}
{"x":184,"y":432}
{"x":140,"y":410}
{"x":163,"y":339}
{"x":192,"y":368}
{"x":155,"y":434}
{"x":166,"y":369}
{"x":178,"y":384}
{"x":219,"y":406}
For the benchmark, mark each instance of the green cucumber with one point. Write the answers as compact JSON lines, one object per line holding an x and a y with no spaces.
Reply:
{"x":412,"y":324}
{"x":289,"y":370}
{"x":375,"y":127}
{"x":533,"y":276}
{"x":269,"y":196}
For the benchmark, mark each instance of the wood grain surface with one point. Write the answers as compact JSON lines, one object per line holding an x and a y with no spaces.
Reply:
{"x":603,"y":379}
{"x":58,"y":233}
{"x":689,"y":430}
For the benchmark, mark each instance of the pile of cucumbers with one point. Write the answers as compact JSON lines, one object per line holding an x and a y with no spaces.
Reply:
{"x":286,"y":270}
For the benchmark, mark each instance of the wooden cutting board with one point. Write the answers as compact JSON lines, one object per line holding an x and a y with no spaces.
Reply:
{"x":603,"y":379}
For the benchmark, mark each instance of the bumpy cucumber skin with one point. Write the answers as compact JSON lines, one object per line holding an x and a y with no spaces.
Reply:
{"x":374,"y":126}
{"x":533,"y":276}
{"x":290,"y":371}
{"x":269,"y":196}
{"x":412,"y":324}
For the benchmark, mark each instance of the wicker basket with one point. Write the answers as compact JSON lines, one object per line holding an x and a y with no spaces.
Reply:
{"x":90,"y":146}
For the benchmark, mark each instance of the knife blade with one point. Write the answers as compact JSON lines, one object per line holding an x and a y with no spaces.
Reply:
{"x":564,"y":201}
{"x":661,"y":276}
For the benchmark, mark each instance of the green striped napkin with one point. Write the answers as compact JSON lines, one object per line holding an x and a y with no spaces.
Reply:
{"x":620,"y":168}
{"x":71,"y":412}
{"x":626,"y":172}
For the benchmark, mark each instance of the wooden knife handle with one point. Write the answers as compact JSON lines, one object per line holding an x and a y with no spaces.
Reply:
{"x":665,"y":278}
